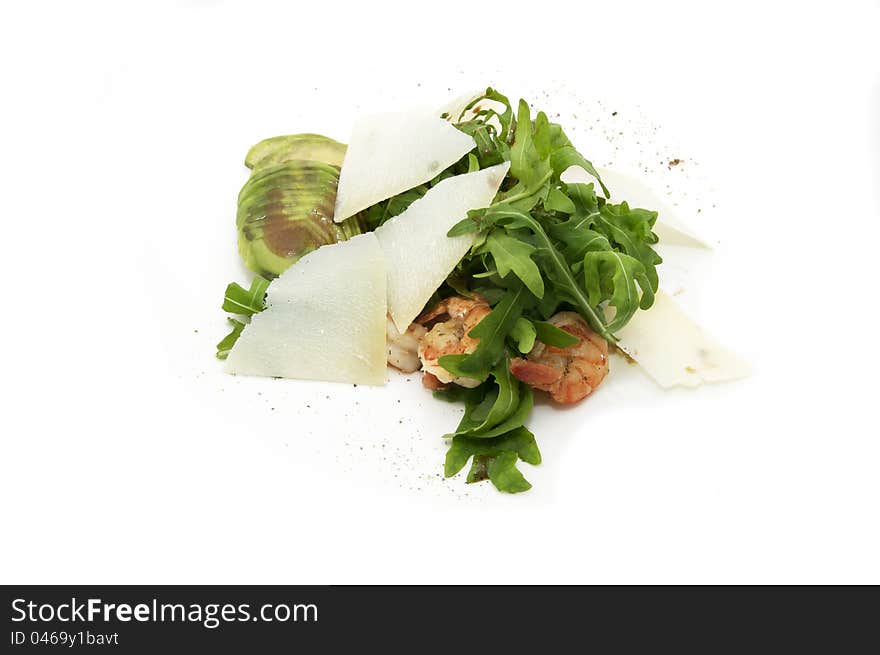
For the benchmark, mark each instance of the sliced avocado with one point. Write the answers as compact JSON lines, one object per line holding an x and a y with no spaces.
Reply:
{"x":280,"y":149}
{"x":286,"y":211}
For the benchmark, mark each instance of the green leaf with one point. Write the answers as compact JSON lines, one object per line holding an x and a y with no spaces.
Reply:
{"x":558,"y":271}
{"x":244,"y":302}
{"x":248,"y":302}
{"x":553,"y":336}
{"x":586,"y":202}
{"x":529,"y":160}
{"x":557,"y":201}
{"x":492,"y":332}
{"x":493,"y":404}
{"x":631,"y":230}
{"x":464,"y":226}
{"x":524,"y":333}
{"x":229,"y":340}
{"x":515,"y":420}
{"x":578,"y":239}
{"x":508,"y":448}
{"x":492,"y":146}
{"x":504,"y":475}
{"x":612,"y":276}
{"x":505,"y":118}
{"x":479,"y":220}
{"x":453,"y":393}
{"x":479,"y":469}
{"x":511,"y":254}
{"x":565,"y":156}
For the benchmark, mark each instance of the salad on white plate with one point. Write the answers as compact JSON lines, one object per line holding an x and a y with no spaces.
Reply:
{"x":473,"y":243}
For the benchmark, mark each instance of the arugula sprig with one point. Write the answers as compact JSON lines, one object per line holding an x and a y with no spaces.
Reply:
{"x":492,"y":431}
{"x":244,"y":303}
{"x":542,"y":246}
{"x":495,"y":459}
{"x":591,"y":255}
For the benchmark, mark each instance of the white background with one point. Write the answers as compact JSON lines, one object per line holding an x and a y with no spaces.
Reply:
{"x":129,"y":456}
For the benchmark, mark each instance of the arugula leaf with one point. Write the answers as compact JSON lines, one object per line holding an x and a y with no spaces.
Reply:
{"x":503,"y":473}
{"x":549,"y":304}
{"x":557,"y":201}
{"x":523,"y":334}
{"x":553,"y":336}
{"x":477,"y":406}
{"x":578,"y":239}
{"x":631,"y":230}
{"x":612,"y":276}
{"x":464,"y":226}
{"x":484,"y":115}
{"x":616,"y":257}
{"x":493,"y":147}
{"x":565,"y":155}
{"x":229,"y":340}
{"x":515,"y":420}
{"x":560,"y":275}
{"x":514,"y":255}
{"x":491,"y":411}
{"x":501,"y":399}
{"x":237,"y":300}
{"x":473,"y":163}
{"x":495,"y":458}
{"x":492,"y":332}
{"x":490,"y":149}
{"x":529,"y":160}
{"x":243,"y":302}
{"x":623,"y":227}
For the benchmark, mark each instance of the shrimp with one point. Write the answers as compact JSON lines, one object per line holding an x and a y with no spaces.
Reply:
{"x":449,"y":337}
{"x":568,"y":374}
{"x":403,"y":349}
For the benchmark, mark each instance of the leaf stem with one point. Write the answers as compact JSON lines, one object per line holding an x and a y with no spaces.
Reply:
{"x":573,"y":288}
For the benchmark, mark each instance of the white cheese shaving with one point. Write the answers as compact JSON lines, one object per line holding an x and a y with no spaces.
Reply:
{"x":324,"y":319}
{"x":392,"y":153}
{"x":675,"y":351}
{"x":418,"y":254}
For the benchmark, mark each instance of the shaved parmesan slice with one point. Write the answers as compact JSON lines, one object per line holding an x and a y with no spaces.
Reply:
{"x":418,"y":254}
{"x":669,"y":227}
{"x":392,"y":153}
{"x":324,"y":319}
{"x":675,"y":351}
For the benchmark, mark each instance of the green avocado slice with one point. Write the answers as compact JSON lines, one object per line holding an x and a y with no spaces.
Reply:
{"x":286,"y":211}
{"x":280,"y":149}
